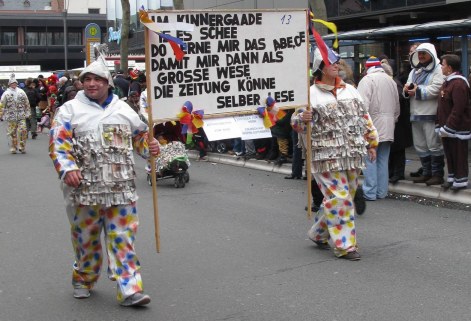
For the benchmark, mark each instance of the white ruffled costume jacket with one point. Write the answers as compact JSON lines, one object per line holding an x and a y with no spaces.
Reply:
{"x":342,"y":129}
{"x":98,"y":141}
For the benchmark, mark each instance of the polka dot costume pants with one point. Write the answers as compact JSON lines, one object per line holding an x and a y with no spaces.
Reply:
{"x":119,"y":224}
{"x":17,"y":134}
{"x":335,"y":221}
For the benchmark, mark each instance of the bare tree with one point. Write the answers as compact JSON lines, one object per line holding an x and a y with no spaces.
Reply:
{"x":320,"y":12}
{"x":124,"y":44}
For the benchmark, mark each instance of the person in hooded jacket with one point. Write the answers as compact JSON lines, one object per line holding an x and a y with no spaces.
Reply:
{"x":422,"y":89}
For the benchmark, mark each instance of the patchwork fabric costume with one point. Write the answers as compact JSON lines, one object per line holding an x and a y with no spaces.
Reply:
{"x":14,"y":105}
{"x":99,"y":140}
{"x":341,"y":132}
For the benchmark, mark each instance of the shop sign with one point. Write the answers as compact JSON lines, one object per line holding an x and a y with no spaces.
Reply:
{"x":114,"y":35}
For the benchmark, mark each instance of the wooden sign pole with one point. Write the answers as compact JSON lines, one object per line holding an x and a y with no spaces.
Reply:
{"x":309,"y":131}
{"x":151,"y":137}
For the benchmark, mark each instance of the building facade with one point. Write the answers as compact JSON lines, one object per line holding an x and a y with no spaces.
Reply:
{"x":366,"y":27}
{"x":32,"y":31}
{"x":389,"y":27}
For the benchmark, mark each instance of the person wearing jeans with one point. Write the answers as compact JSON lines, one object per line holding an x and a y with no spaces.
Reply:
{"x":379,"y":93}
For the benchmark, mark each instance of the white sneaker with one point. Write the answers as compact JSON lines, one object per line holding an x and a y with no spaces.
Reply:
{"x":81,"y":293}
{"x":137,"y":299}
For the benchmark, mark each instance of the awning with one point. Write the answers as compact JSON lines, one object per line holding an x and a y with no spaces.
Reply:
{"x":443,"y":27}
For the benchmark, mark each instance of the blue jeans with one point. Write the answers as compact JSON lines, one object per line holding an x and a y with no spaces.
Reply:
{"x":376,"y":174}
{"x":238,"y":145}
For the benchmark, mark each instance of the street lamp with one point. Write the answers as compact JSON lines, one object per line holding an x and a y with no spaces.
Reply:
{"x":64,"y":19}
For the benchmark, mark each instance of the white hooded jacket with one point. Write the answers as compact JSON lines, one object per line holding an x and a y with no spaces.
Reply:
{"x":429,"y":79}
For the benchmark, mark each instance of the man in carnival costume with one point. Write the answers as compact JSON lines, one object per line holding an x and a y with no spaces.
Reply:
{"x":91,"y":145}
{"x":15,"y":109}
{"x":342,"y":134}
{"x":422,"y":89}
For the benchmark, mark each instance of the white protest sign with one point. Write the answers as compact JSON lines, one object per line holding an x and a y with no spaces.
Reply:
{"x":246,"y":127}
{"x":221,"y":128}
{"x":234,"y":60}
{"x":251,"y":127}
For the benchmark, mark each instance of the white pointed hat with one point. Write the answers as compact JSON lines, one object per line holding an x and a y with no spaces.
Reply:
{"x":98,"y":67}
{"x":12,"y":79}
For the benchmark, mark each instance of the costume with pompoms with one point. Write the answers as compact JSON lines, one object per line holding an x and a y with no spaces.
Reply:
{"x":98,"y":139}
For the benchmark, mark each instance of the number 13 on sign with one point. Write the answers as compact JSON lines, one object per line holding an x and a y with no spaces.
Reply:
{"x":286,"y":19}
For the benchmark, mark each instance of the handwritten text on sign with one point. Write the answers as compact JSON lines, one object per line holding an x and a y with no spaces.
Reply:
{"x":232,"y":63}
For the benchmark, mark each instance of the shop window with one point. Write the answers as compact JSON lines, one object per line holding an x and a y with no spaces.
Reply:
{"x":444,"y":45}
{"x":349,"y":7}
{"x":74,"y":38}
{"x":55,"y":38}
{"x":9,"y":38}
{"x":35,"y":38}
{"x":387,"y":4}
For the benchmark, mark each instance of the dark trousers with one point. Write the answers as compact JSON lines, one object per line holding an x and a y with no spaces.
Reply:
{"x":297,"y":165}
{"x":397,"y":163}
{"x":456,"y":153}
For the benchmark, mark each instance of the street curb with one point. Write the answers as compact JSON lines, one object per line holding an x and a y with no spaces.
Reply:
{"x":402,"y":187}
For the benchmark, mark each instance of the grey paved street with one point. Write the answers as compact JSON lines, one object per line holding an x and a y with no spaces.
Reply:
{"x":234,"y":247}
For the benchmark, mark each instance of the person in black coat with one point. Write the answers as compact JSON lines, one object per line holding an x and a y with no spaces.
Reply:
{"x":122,"y":83}
{"x":402,"y":133}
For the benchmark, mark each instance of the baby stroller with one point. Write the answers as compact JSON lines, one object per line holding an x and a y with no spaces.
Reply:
{"x":172,"y":162}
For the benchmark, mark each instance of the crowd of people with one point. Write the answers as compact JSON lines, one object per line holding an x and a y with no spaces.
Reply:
{"x":354,"y":128}
{"x":93,"y":133}
{"x":384,"y":114}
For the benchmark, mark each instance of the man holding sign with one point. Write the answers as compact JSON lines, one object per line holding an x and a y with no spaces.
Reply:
{"x":91,"y":144}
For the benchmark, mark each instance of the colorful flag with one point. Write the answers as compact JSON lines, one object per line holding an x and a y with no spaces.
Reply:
{"x":176,"y":43}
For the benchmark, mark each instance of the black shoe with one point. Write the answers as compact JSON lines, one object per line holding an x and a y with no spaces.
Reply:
{"x":280,"y":161}
{"x":417,"y":173}
{"x":447,"y":185}
{"x":322,"y":245}
{"x":359,"y":201}
{"x":394,"y":179}
{"x":435,"y":180}
{"x":292,"y":177}
{"x":421,"y":179}
{"x":249,"y":156}
{"x":34,"y":135}
{"x":351,"y":256}
{"x":314,"y":208}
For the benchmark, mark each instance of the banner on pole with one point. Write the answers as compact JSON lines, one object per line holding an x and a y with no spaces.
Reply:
{"x":233,"y":61}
